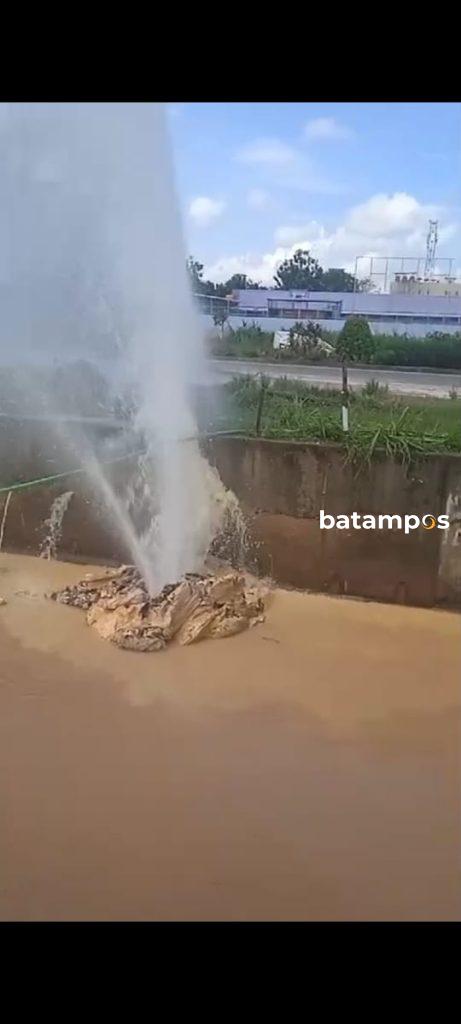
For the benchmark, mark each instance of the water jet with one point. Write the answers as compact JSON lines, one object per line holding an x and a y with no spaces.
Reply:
{"x":93,"y":270}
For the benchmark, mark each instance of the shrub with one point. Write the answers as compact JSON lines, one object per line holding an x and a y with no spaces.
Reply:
{"x":246,"y":341}
{"x":374,"y":390}
{"x":304,"y":338}
{"x":220,"y":319}
{"x":355,"y":342}
{"x":439,"y":350}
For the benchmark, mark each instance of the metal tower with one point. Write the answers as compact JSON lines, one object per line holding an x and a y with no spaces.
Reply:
{"x":431,"y":246}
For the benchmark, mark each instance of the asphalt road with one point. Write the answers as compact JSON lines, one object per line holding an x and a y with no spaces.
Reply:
{"x":412,"y":382}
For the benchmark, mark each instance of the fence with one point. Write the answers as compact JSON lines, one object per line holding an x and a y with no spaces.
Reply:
{"x":268,"y":392}
{"x":413,"y":324}
{"x":219,"y":306}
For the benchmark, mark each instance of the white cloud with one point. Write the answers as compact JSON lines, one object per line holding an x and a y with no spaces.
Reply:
{"x":266,"y":151}
{"x":289,"y":234}
{"x":394,"y":225}
{"x":258,"y":199}
{"x":204,"y":210}
{"x":258,"y":267}
{"x":327,"y":129}
{"x":397,"y":214}
{"x":282,"y":165}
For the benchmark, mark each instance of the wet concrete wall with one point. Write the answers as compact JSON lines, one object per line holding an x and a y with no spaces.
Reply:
{"x":281,"y":486}
{"x":33,"y":449}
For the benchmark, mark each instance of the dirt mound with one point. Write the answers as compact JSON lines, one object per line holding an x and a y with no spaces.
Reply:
{"x":120,"y":609}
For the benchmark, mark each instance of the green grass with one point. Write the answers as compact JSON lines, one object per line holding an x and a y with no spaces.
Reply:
{"x":435,"y":351}
{"x":378,"y":421}
{"x":438,"y":350}
{"x":245,"y":343}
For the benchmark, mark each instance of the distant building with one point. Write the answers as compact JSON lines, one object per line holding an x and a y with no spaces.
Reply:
{"x":398,"y":312}
{"x":408,"y":284}
{"x":301,"y":305}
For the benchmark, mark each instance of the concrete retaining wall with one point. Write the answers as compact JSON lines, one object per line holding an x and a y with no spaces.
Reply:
{"x":282,"y":486}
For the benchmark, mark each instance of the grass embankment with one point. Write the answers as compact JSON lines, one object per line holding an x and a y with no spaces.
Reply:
{"x":402,"y":427}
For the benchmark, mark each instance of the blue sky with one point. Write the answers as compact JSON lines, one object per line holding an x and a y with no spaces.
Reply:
{"x":258,"y":180}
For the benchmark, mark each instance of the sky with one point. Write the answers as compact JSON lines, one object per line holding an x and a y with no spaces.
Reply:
{"x":256,"y":181}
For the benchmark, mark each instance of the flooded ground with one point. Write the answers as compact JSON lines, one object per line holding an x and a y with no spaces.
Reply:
{"x":306,"y":770}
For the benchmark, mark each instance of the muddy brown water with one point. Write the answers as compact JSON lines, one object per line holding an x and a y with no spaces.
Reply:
{"x":305,"y":770}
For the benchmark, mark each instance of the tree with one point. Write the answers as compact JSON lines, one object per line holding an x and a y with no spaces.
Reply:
{"x":198,"y":285}
{"x":355,"y":341}
{"x":195,"y":271}
{"x":220,"y":319}
{"x":338,"y":280}
{"x":302,"y":272}
{"x":304,"y":339}
{"x":238,"y":282}
{"x":299,"y":273}
{"x":365,"y":285}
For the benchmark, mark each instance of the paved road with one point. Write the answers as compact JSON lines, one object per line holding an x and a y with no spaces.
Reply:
{"x":414,"y":382}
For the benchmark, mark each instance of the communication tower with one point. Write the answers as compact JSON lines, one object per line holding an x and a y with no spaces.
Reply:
{"x":431,"y":246}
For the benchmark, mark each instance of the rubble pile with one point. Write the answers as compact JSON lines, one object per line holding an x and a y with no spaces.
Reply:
{"x":119,"y":607}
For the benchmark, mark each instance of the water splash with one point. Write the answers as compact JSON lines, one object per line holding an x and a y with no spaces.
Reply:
{"x":217,"y":516}
{"x":231,"y":540}
{"x":94,"y":265}
{"x":166,"y":358}
{"x":54,"y":525}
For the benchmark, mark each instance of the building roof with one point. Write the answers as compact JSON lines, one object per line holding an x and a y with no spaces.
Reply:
{"x":363,"y":303}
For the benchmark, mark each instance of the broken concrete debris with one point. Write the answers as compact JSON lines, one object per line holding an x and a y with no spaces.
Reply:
{"x":119,"y":607}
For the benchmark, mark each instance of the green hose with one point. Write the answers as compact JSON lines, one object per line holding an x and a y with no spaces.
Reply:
{"x":60,"y":476}
{"x":83,"y":469}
